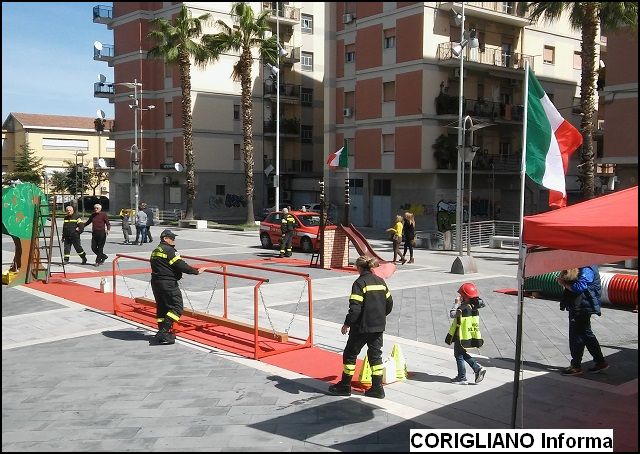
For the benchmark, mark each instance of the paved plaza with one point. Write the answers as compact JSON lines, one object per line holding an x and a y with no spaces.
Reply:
{"x":79,"y":379}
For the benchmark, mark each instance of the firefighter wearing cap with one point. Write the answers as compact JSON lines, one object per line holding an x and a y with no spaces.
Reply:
{"x":465,"y":332}
{"x":166,"y":270}
{"x":287,"y":227}
{"x":71,"y":229}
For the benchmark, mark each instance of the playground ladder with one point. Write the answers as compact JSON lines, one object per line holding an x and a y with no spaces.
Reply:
{"x":42,"y":243}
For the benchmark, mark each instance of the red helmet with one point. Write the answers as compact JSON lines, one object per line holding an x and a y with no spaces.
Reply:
{"x":468,"y":290}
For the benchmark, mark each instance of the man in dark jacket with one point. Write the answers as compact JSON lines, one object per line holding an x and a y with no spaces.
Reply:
{"x":166,"y":270}
{"x":369,"y":304}
{"x":150,"y":222}
{"x":100,"y":227}
{"x":581,"y":298}
{"x":71,"y":230}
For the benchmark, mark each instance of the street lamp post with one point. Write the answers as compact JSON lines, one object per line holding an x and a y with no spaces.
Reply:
{"x":462,"y":265}
{"x":81,"y":154}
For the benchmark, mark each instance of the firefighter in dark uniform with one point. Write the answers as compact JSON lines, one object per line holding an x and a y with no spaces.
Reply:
{"x":287,"y":227}
{"x":71,"y":229}
{"x":166,"y":270}
{"x":369,"y":304}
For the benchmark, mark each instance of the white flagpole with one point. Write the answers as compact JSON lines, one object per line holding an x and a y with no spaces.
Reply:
{"x":521,"y":256}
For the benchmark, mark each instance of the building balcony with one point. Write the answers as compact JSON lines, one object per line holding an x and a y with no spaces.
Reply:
{"x":102,"y":14}
{"x":501,"y":12}
{"x":107,"y":53}
{"x":289,"y":93}
{"x":289,"y":127}
{"x":479,"y":108}
{"x":102,"y":90}
{"x":292,"y":57}
{"x":285,"y":14}
{"x":485,"y":57}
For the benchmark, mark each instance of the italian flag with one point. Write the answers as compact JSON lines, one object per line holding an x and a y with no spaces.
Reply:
{"x":340,"y":158}
{"x":551,"y":140}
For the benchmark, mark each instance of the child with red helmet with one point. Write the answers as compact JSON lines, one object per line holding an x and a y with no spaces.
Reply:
{"x":465,"y":332}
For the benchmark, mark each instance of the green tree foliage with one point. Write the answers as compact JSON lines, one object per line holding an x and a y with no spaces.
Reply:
{"x":28,"y":167}
{"x":248,"y":33}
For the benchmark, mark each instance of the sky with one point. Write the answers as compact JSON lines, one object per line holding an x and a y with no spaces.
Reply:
{"x":47,"y":59}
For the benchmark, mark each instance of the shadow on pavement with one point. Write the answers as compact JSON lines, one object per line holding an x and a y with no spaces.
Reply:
{"x":128,"y":335}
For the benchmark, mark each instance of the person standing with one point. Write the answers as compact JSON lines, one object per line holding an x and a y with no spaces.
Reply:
{"x":465,"y":332}
{"x":396,"y":230}
{"x":166,"y":270}
{"x":141,"y":227}
{"x":126,"y":226}
{"x":287,"y":228}
{"x":369,"y":304}
{"x":581,"y":297}
{"x":71,"y":229}
{"x":409,"y":235}
{"x":149,"y":212}
{"x":100,"y":228}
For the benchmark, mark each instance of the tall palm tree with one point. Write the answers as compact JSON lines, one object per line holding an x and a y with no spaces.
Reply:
{"x":589,"y":17}
{"x":248,"y":33}
{"x":175,"y":43}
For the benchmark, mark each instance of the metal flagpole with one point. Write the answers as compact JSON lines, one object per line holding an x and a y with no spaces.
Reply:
{"x":521,"y":257}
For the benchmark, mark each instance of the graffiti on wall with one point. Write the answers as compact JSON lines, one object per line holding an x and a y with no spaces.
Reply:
{"x":446,"y":212}
{"x":228,"y":201}
{"x":417,"y":209}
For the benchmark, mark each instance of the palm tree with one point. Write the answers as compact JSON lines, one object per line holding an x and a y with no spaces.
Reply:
{"x":248,"y":33}
{"x":589,"y":17}
{"x":175,"y":43}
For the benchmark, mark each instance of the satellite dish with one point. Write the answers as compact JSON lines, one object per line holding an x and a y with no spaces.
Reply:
{"x":102,"y":163}
{"x":179,"y":167}
{"x":97,"y":45}
{"x":102,"y":78}
{"x":100,"y":114}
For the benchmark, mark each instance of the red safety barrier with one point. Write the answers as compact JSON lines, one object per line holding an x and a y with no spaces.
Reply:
{"x":623,"y":289}
{"x":217,"y":331}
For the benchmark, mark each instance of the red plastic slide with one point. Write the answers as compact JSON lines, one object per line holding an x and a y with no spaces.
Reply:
{"x":363,"y":247}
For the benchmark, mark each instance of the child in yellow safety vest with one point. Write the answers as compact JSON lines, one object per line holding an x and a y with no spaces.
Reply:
{"x":465,"y":332}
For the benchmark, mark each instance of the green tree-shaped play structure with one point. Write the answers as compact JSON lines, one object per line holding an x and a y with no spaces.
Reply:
{"x":19,"y":204}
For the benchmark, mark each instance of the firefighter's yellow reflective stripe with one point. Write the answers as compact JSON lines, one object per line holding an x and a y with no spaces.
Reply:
{"x":158,"y":254}
{"x":80,"y":220}
{"x":377,"y":370}
{"x":371,"y":288}
{"x":349,"y":369}
{"x":356,"y":297}
{"x":174,"y":260}
{"x":173,"y":316}
{"x":160,"y":320}
{"x":71,"y":220}
{"x":388,"y":294}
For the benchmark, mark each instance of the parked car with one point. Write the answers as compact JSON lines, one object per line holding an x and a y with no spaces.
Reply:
{"x":306,"y":236}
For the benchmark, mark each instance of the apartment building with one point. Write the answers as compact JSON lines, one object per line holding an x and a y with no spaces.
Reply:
{"x":217,"y":133}
{"x":618,"y":110}
{"x":56,"y":139}
{"x":392,"y":93}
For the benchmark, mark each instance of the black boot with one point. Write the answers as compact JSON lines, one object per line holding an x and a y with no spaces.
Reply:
{"x":164,"y":336}
{"x":84,"y":259}
{"x":376,"y":389}
{"x":343,"y":387}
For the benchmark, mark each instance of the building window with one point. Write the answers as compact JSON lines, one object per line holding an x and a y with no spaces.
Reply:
{"x":220,"y":189}
{"x":355,"y":186}
{"x":306,"y":166}
{"x":350,"y":53}
{"x":349,"y":99}
{"x":65,"y":144}
{"x":237,"y":153}
{"x":390,"y":38}
{"x":549,"y":55}
{"x":168,"y":152}
{"x":236,"y":112}
{"x":382,"y":187}
{"x":577,"y":60}
{"x":388,"y":143}
{"x":307,"y":23}
{"x":168,"y":109}
{"x":306,"y":61}
{"x":168,"y":72}
{"x":306,"y":96}
{"x":307,"y":134}
{"x":389,"y":91}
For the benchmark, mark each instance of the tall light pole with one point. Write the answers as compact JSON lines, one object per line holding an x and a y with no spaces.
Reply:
{"x":461,"y":265}
{"x":81,"y":154}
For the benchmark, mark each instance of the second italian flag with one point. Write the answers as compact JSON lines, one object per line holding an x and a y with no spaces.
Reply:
{"x":551,"y":140}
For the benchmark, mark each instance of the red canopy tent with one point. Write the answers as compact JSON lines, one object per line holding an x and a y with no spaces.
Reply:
{"x":601,"y":230}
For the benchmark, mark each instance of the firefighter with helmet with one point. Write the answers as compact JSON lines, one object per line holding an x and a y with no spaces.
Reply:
{"x":71,"y":229}
{"x":287,"y":227}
